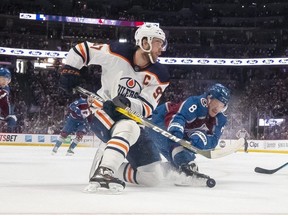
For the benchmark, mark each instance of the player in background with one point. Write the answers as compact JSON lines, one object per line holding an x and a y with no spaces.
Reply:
{"x":242,"y":133}
{"x":76,"y":122}
{"x":198,"y":119}
{"x":6,"y":112}
{"x":131,"y":76}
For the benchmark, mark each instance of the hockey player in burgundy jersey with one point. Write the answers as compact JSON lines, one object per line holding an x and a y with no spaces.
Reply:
{"x":198,"y":119}
{"x":6,"y":112}
{"x":75,"y":122}
{"x":131,"y":76}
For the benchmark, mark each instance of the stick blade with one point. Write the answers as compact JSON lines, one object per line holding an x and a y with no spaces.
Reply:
{"x":263,"y":171}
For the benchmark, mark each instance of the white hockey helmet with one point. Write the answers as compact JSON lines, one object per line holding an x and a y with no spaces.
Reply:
{"x":149,"y":31}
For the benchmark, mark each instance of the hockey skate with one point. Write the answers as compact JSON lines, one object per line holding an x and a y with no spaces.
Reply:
{"x":70,"y":152}
{"x":190,"y":176}
{"x":103,"y":179}
{"x":54,"y":150}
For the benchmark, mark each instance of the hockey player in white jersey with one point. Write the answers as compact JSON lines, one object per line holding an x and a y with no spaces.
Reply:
{"x":131,"y":76}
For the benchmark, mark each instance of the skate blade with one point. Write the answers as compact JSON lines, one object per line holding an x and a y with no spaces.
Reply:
{"x":69,"y":154}
{"x":53,"y":153}
{"x":95,"y":187}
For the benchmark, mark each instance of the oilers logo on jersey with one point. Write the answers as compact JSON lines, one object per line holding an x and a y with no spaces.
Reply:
{"x":129,"y":87}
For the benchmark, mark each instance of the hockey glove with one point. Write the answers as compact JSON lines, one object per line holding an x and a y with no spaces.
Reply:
{"x":201,"y":140}
{"x":69,"y":78}
{"x":176,"y":129}
{"x":110,"y":107}
{"x":121,"y":101}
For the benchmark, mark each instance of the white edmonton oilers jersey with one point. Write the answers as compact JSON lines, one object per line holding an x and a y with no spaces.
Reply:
{"x":120,"y":76}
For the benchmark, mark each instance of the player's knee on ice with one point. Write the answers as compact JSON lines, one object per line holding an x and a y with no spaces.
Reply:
{"x":126,"y":129}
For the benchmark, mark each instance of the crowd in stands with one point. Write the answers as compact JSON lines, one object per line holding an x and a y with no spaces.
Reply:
{"x":204,"y":25}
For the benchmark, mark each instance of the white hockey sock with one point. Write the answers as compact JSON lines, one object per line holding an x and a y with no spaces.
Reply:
{"x":115,"y":153}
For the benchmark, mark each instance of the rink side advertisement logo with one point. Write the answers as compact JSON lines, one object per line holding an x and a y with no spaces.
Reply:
{"x":28,"y":138}
{"x":282,"y":145}
{"x":41,"y":138}
{"x":222,"y":143}
{"x":67,"y":140}
{"x":53,"y":139}
{"x":253,"y":144}
{"x":8,"y":138}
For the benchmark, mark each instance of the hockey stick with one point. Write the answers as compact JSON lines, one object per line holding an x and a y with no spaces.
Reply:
{"x":142,"y":120}
{"x":267,"y":171}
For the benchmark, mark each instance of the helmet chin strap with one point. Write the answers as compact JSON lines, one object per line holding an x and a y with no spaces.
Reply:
{"x":148,"y":51}
{"x":151,"y":58}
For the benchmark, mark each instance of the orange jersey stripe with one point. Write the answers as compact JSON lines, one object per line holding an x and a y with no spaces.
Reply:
{"x":147,"y":110}
{"x":103,"y":117}
{"x":81,"y":48}
{"x":97,"y":104}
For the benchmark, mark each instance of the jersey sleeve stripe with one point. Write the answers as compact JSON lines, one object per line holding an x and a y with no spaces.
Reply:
{"x":78,"y":53}
{"x":147,"y":107}
{"x":88,"y":56}
{"x":105,"y":120}
{"x":82,"y":51}
{"x":97,"y":103}
{"x":148,"y":110}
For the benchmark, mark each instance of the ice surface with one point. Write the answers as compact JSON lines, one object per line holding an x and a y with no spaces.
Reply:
{"x":32,"y":181}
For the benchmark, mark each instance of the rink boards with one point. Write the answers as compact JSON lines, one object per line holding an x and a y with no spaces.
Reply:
{"x":44,"y":140}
